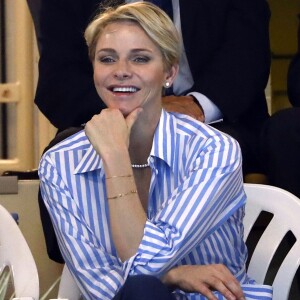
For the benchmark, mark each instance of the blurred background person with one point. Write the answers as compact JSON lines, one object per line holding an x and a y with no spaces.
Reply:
{"x":280,"y":140}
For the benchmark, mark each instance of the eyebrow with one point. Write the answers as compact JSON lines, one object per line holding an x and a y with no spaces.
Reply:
{"x":136,"y":50}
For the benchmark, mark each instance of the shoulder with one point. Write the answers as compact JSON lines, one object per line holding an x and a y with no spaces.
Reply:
{"x":61,"y":160}
{"x":72,"y":139}
{"x":195,"y":136}
{"x":193,"y":145}
{"x":187,"y":125}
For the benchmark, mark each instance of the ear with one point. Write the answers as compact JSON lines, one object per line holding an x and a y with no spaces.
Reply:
{"x":171,"y":74}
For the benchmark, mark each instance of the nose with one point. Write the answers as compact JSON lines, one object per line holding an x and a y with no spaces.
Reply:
{"x":122,"y":70}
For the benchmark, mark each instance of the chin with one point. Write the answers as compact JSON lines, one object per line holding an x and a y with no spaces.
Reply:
{"x":125,"y":112}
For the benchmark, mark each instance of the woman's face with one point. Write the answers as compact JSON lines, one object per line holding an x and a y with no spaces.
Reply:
{"x":128,"y":68}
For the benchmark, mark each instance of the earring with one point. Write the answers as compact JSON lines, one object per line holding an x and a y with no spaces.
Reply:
{"x":167,"y":84}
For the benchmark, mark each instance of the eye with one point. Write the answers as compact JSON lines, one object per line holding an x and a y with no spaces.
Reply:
{"x":141,"y":59}
{"x":106,"y":59}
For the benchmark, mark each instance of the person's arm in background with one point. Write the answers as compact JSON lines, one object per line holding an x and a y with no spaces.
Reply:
{"x":184,"y":104}
{"x":65,"y":93}
{"x":228,"y":52}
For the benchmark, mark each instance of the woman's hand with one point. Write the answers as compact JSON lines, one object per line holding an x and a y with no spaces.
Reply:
{"x":204,"y":279}
{"x":109,"y":130}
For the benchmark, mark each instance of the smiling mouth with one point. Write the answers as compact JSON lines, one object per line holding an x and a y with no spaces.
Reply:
{"x":124,"y":89}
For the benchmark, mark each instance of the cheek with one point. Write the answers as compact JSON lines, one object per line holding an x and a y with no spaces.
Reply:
{"x":99,"y":83}
{"x":100,"y":72}
{"x":97,"y":76}
{"x":158,"y":81}
{"x":158,"y":76}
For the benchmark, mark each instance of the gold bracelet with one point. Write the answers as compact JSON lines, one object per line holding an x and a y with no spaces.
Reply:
{"x":116,"y":176}
{"x":122,"y":195}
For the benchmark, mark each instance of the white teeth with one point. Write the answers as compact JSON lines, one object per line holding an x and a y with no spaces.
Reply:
{"x":125,"y":89}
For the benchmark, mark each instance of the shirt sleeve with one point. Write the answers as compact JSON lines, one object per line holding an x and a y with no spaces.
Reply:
{"x":210,"y":193}
{"x":211,"y":112}
{"x":98,"y":271}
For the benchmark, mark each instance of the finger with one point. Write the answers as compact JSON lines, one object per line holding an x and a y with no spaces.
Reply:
{"x":132,"y":117}
{"x":89,"y":129}
{"x":235,"y":288}
{"x":230,"y":290}
{"x":205,"y":291}
{"x":219,"y":286}
{"x":230,"y":282}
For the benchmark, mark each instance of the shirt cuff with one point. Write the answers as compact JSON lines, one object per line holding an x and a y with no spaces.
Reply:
{"x":211,"y":112}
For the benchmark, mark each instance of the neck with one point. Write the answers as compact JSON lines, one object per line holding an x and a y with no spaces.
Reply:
{"x":139,"y":153}
{"x":141,"y":137}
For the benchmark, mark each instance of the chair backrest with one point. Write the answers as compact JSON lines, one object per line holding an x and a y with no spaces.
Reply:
{"x":16,"y":254}
{"x":68,"y":289}
{"x":285,"y":210}
{"x":21,"y":197}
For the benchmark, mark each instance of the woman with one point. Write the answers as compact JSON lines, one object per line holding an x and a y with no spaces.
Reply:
{"x":141,"y":191}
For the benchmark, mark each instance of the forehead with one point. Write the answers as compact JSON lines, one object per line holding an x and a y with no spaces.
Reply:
{"x":125,"y":32}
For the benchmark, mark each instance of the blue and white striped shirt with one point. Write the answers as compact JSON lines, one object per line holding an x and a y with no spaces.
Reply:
{"x":195,"y":208}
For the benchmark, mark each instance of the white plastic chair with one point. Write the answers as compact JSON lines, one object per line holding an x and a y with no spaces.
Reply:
{"x":68,"y":288}
{"x":15,"y":253}
{"x":285,"y":208}
{"x":21,"y":197}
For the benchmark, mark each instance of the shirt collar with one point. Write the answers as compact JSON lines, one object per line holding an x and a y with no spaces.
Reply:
{"x":162,"y":147}
{"x":90,"y":161}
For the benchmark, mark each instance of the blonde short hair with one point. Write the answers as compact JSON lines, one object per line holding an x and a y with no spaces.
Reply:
{"x":155,"y":22}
